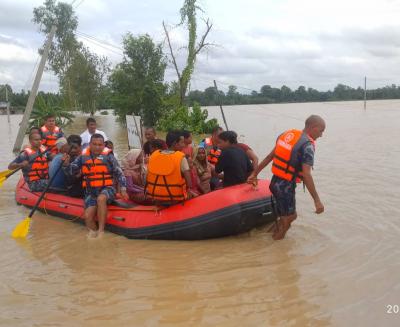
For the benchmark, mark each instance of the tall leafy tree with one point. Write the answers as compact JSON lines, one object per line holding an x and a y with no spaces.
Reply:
{"x":65,"y":44}
{"x":79,"y":71}
{"x":136,"y":83}
{"x":194,"y":46}
{"x":85,"y":76}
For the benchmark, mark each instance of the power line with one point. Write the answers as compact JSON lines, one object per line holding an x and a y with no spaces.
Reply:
{"x":30,"y":78}
{"x":76,"y":7}
{"x":99,"y":41}
{"x":99,"y":44}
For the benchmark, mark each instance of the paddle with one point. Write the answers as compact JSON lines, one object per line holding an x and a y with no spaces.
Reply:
{"x":22,"y":229}
{"x":10,"y":172}
{"x":5,"y":172}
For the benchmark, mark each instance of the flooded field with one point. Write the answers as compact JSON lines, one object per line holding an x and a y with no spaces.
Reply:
{"x":341,"y":268}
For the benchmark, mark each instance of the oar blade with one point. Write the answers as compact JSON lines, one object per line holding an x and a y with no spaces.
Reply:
{"x":2,"y":179}
{"x":22,"y":229}
{"x":5,"y":172}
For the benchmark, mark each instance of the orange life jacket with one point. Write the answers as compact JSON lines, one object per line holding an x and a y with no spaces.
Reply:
{"x":286,"y":163}
{"x":50,"y":138}
{"x":96,"y":172}
{"x":213,"y":152}
{"x":164,"y":181}
{"x":39,"y":168}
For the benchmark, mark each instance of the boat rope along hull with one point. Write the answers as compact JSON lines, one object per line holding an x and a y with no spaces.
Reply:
{"x":226,"y":212}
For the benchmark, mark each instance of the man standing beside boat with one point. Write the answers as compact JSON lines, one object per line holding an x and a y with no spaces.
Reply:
{"x":292,"y":160}
{"x":99,"y":168}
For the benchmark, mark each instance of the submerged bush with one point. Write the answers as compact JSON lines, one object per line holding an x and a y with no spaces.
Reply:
{"x":193,"y":119}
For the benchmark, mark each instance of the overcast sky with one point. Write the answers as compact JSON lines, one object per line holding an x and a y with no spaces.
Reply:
{"x":316,"y":43}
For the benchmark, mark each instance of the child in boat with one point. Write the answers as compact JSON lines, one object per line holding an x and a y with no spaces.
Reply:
{"x":188,"y":149}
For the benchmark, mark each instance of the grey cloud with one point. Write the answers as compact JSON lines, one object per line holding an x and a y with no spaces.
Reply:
{"x":9,"y":40}
{"x":15,"y":16}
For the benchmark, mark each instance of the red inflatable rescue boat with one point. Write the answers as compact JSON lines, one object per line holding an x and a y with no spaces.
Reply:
{"x":230,"y":211}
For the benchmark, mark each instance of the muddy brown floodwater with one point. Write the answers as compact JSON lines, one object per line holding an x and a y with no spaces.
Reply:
{"x":341,"y":268}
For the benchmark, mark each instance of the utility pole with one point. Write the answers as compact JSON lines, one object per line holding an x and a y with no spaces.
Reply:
{"x":365,"y":93}
{"x":8,"y":105}
{"x":220,"y":105}
{"x":32,"y":96}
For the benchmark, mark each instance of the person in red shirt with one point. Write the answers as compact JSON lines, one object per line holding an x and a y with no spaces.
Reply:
{"x":187,"y":138}
{"x":250,"y":154}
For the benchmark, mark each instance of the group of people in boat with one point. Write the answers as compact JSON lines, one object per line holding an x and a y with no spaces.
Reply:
{"x":164,"y":172}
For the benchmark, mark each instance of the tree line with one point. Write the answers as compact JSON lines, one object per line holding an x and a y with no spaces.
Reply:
{"x":136,"y":85}
{"x":208,"y":97}
{"x":284,"y":94}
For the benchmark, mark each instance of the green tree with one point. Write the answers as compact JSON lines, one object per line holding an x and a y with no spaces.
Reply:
{"x":194,"y":46}
{"x":85,"y":76}
{"x":193,"y":119}
{"x":44,"y":107}
{"x":137,"y":82}
{"x":79,"y":71}
{"x":65,"y":44}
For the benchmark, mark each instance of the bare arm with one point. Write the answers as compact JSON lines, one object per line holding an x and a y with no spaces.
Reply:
{"x":20,"y":162}
{"x":253,"y":157}
{"x":14,"y":165}
{"x":188,"y":178}
{"x":309,"y":182}
{"x":253,"y":176}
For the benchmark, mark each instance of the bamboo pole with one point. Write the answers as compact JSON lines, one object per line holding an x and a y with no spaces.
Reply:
{"x":220,"y":105}
{"x":8,"y":105}
{"x":365,"y":93}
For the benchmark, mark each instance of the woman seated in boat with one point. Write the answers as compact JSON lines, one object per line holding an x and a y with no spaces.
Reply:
{"x":204,"y":169}
{"x":155,"y":145}
{"x":168,"y":177}
{"x":193,"y":176}
{"x":134,"y":171}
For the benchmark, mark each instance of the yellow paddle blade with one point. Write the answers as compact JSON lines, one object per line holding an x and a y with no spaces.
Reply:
{"x":2,"y":179}
{"x":22,"y":229}
{"x":5,"y":172}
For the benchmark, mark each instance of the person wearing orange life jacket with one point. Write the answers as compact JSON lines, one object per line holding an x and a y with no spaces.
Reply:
{"x":211,"y":145}
{"x":168,"y":178}
{"x":34,"y":161}
{"x":292,"y":160}
{"x":98,"y":168}
{"x":51,"y":133}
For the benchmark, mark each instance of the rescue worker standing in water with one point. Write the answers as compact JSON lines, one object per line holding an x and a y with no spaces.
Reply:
{"x":51,"y":133}
{"x":34,"y":161}
{"x":292,"y":160}
{"x":98,"y":168}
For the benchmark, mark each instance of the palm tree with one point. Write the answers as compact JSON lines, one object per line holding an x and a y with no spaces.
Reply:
{"x":44,"y":108}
